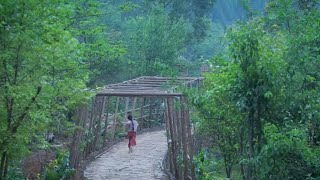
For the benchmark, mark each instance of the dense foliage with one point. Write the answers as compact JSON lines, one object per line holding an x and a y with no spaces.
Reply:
{"x":53,"y":52}
{"x":41,"y":73}
{"x":260,"y":103}
{"x":258,"y":109}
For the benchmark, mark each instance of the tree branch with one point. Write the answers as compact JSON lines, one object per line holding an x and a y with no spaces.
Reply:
{"x":16,"y":65}
{"x":16,"y":125}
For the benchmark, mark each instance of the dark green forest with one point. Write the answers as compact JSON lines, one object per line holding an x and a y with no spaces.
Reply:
{"x":256,"y":116}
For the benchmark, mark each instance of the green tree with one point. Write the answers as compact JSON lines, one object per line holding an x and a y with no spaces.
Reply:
{"x":102,"y":50}
{"x":154,"y":42}
{"x":287,"y":155}
{"x":195,"y":12}
{"x":221,"y":118}
{"x":275,"y":60}
{"x":41,"y":72}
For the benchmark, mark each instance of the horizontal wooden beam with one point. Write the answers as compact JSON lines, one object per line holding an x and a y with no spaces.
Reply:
{"x":145,"y":94}
{"x":149,"y":86}
{"x":171,"y":78}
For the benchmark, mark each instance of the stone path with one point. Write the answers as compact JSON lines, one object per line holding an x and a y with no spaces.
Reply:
{"x":143,"y":164}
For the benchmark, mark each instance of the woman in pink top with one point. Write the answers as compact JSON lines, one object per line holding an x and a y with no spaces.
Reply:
{"x":132,"y":126}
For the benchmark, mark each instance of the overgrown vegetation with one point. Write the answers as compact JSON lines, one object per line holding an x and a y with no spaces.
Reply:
{"x":54,"y":52}
{"x":258,"y":110}
{"x":260,"y":103}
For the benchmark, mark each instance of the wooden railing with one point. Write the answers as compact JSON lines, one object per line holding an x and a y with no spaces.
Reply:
{"x":96,"y":129}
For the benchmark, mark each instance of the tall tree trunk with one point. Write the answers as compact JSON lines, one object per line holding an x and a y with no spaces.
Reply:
{"x":228,"y":165}
{"x":4,"y":165}
{"x":242,"y":168}
{"x":250,"y":170}
{"x":259,"y":132}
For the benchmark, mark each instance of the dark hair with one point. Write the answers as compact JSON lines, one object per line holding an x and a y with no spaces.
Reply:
{"x":131,"y":119}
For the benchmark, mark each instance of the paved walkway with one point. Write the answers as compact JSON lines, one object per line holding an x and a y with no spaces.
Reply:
{"x":143,"y":164}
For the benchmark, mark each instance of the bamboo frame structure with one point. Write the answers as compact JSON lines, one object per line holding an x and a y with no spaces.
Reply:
{"x":149,"y":86}
{"x":150,"y":96}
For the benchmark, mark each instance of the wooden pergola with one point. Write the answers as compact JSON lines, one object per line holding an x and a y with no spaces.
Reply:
{"x":97,"y":117}
{"x":150,"y":86}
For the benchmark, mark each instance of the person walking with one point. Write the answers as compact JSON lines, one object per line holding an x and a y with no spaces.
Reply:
{"x":132,"y":126}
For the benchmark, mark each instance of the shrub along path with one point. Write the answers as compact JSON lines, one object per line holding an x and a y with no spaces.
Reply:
{"x":143,"y":164}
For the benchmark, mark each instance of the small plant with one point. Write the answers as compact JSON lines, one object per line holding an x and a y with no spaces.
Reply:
{"x":59,"y":168}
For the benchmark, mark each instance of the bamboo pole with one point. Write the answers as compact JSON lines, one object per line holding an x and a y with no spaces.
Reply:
{"x":134,"y":105}
{"x":106,"y":121}
{"x":115,"y":118}
{"x":91,"y":126}
{"x":190,"y":139}
{"x":125,"y":113}
{"x":133,"y":109}
{"x":175,"y":132}
{"x":184,"y":139}
{"x":142,"y":112}
{"x":100,"y":109}
{"x":150,"y":112}
{"x":171,"y":125}
{"x":95,"y":124}
{"x":179,"y":132}
{"x":74,"y":148}
{"x":158,"y":110}
{"x":85,"y":127}
{"x":169,"y":137}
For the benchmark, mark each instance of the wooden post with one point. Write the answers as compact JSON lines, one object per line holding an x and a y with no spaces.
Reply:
{"x":115,"y":118}
{"x":173,"y":136}
{"x":126,"y":109}
{"x":91,"y":126}
{"x":80,"y":121}
{"x":162,"y":117}
{"x":176,"y":135}
{"x":106,"y":121}
{"x":179,"y":132}
{"x":184,"y":139}
{"x":133,"y":109}
{"x":142,"y":112}
{"x":169,"y":136}
{"x":86,"y":118}
{"x":134,"y":105}
{"x":190,"y":139}
{"x":90,"y":114}
{"x":150,"y":112}
{"x":125,"y":113}
{"x":100,"y":109}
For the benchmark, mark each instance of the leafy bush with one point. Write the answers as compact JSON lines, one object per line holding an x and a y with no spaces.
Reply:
{"x":208,"y":166}
{"x":59,"y":168}
{"x":287,"y":156}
